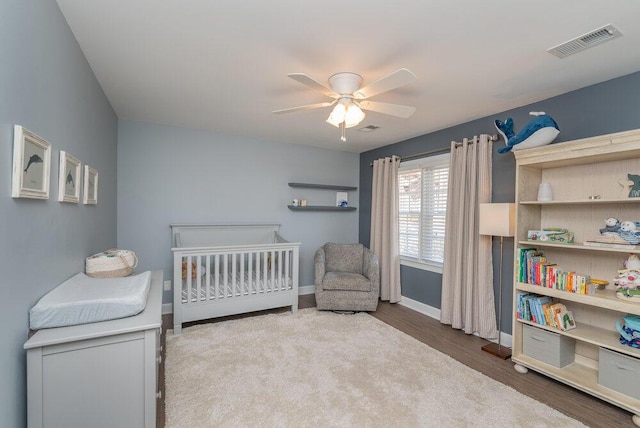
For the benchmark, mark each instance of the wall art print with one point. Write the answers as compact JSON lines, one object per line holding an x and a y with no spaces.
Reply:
{"x":31,"y":165}
{"x":69,"y":178}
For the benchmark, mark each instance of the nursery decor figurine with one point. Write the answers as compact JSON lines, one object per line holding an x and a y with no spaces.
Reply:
{"x":632,"y":262}
{"x":539,"y":131}
{"x":634,"y":191}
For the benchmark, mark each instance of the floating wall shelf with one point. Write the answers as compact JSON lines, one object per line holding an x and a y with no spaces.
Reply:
{"x":320,"y":208}
{"x":323,"y":186}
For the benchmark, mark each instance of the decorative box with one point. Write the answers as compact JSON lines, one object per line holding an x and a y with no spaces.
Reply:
{"x":547,"y":235}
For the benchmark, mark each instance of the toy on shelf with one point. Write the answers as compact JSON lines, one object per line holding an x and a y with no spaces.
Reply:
{"x":617,"y":234}
{"x":611,"y":224}
{"x":539,"y":131}
{"x":627,"y":281}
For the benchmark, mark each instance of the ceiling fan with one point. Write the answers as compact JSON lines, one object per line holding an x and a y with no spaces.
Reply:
{"x":350,"y":99}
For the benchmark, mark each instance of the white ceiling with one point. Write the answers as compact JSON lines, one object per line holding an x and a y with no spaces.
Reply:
{"x":222,"y":65}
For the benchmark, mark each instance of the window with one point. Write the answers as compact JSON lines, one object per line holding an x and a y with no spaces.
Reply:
{"x":422,"y":198}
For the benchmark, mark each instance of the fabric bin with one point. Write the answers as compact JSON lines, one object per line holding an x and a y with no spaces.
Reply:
{"x":619,"y":372}
{"x":547,"y":346}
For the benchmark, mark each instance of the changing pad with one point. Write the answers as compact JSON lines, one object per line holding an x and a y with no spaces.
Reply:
{"x":82,"y":300}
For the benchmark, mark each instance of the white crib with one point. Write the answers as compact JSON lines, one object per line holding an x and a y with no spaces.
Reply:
{"x":221,"y":270}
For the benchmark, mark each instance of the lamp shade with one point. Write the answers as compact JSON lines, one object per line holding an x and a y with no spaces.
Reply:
{"x":497,"y":219}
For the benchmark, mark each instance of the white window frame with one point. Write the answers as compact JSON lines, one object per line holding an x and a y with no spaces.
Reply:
{"x":431,"y":161}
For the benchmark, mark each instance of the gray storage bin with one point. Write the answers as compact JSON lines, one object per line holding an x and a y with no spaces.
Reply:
{"x":547,"y":346}
{"x":619,"y":372}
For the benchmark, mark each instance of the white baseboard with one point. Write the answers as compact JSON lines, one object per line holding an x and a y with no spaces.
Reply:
{"x":430,"y":311}
{"x":306,"y":289}
{"x":167,"y":308}
{"x":423,"y":308}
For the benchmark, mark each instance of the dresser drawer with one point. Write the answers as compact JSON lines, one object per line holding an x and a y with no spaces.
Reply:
{"x":619,"y":372}
{"x":547,"y":346}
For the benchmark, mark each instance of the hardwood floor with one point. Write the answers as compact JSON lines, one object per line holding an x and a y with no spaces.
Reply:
{"x":466,"y":349}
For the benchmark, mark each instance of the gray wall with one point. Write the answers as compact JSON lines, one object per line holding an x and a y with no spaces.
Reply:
{"x":175,"y":175}
{"x":46,"y":86}
{"x":607,"y":107}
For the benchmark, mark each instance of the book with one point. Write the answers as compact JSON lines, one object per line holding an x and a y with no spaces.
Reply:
{"x":565,"y":320}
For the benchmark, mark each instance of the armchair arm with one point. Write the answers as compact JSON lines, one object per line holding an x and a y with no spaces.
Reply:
{"x":319,"y":262}
{"x":371,"y":268}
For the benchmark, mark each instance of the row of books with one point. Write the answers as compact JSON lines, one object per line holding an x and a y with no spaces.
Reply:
{"x":533,"y":268}
{"x":542,"y":310}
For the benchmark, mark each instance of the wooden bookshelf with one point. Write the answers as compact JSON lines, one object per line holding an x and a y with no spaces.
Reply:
{"x":584,"y":175}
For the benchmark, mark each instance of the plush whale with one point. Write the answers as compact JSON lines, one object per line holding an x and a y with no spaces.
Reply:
{"x":539,"y":131}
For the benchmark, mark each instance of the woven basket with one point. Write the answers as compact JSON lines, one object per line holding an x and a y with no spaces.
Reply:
{"x":112,"y":263}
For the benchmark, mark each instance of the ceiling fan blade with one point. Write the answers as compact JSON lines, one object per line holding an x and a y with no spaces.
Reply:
{"x":392,"y":81}
{"x":302,"y":108}
{"x":312,"y":83}
{"x":387,"y":108}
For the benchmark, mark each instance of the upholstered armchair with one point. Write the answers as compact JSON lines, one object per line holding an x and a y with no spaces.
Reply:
{"x":347,"y":278}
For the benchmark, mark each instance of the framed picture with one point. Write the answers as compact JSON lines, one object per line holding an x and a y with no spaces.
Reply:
{"x":68,"y":183}
{"x":90,"y":186}
{"x":31,"y":165}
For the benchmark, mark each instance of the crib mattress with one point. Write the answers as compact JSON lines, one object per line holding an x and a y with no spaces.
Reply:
{"x":82,"y":300}
{"x":245,"y":285}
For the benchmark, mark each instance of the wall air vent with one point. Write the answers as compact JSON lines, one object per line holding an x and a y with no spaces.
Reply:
{"x":369,"y":128}
{"x":585,"y":41}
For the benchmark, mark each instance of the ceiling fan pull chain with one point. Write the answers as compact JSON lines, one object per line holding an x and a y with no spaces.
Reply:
{"x":342,"y":138}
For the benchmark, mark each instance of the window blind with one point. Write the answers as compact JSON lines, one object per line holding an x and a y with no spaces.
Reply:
{"x":422,"y":199}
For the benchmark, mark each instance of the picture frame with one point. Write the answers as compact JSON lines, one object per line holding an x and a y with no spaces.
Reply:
{"x":69,"y":178}
{"x":31,"y":165}
{"x":90,"y":186}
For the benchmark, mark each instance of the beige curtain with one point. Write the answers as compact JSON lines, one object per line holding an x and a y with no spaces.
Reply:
{"x":384,"y":226}
{"x":467,"y":278}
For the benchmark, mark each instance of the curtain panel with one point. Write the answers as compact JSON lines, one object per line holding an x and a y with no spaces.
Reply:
{"x":384,"y":226}
{"x":467,"y":279}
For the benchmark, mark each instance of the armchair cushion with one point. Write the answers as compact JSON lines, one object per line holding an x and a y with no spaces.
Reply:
{"x":344,"y":257}
{"x":346,"y":281}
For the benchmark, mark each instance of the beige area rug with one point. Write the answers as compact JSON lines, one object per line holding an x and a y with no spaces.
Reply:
{"x":321,"y":369}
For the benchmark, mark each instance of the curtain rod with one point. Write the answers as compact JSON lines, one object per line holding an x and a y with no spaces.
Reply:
{"x":435,"y":151}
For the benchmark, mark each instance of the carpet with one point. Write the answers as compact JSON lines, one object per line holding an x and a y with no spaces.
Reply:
{"x":323,"y":369}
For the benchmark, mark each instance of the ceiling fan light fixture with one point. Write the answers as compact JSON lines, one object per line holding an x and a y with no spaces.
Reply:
{"x":346,"y":112}
{"x":354,"y":115}
{"x":337,"y":115}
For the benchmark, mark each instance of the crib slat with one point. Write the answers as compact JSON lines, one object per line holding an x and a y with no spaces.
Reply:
{"x":199,"y":277}
{"x":287,"y":269}
{"x":189,"y":296}
{"x":226,"y":275}
{"x":273,"y":270}
{"x":216,"y":272}
{"x":207,"y":272}
{"x":250,"y":282}
{"x":265,"y":271}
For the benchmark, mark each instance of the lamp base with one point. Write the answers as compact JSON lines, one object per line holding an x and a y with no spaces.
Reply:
{"x":497,"y":350}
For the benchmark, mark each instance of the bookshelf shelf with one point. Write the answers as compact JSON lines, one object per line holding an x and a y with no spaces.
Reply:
{"x":584,"y":202}
{"x":602,"y":298}
{"x":578,"y":246}
{"x":576,"y":170}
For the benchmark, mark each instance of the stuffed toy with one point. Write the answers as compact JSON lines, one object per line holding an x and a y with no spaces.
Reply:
{"x":193,"y":270}
{"x":611,"y":224}
{"x":629,"y":233}
{"x":539,"y":131}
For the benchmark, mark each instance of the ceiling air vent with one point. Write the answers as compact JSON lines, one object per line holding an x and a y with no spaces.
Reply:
{"x":369,"y":128}
{"x":585,"y":41}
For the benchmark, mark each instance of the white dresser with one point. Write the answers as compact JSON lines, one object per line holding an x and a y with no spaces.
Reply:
{"x":97,"y":375}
